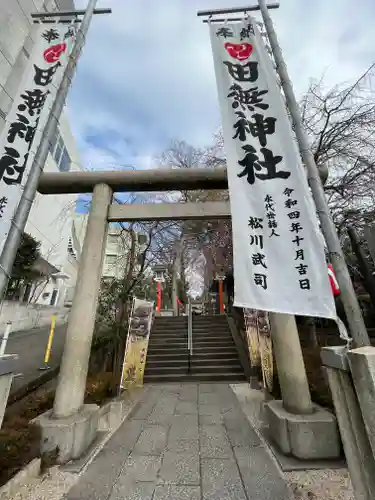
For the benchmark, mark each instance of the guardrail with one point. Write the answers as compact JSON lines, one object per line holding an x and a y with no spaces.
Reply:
{"x":190,"y":334}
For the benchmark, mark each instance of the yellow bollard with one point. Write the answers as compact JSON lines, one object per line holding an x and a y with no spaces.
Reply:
{"x":49,"y":343}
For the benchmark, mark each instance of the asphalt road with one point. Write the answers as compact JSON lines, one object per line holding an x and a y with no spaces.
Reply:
{"x":30,"y":345}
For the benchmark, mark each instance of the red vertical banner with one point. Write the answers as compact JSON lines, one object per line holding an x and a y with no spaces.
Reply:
{"x":221,"y":296}
{"x":158,"y":307}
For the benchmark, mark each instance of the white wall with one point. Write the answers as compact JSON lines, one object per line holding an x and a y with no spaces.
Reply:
{"x":68,"y":286}
{"x":26,"y":317}
{"x":51,"y":215}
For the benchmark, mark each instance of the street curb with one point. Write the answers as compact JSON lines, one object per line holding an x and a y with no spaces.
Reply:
{"x":31,"y":471}
{"x":260,"y":435}
{"x":31,"y":386}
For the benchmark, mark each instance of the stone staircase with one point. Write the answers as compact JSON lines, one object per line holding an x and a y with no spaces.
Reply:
{"x":215,"y":356}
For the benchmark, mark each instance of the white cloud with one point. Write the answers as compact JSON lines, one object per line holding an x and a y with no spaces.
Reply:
{"x":146,"y":75}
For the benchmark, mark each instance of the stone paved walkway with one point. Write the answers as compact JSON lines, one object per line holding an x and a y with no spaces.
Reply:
{"x":188,"y":442}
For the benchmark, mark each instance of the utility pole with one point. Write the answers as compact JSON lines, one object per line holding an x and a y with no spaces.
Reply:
{"x":349,"y":299}
{"x":23,"y":210}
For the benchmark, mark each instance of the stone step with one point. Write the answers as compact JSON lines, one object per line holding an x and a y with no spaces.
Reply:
{"x":196,"y":340}
{"x":181,"y":355}
{"x":171,"y":370}
{"x":184,"y":338}
{"x":195,"y":377}
{"x":200,"y":331}
{"x":196,"y":326}
{"x":196,"y":345}
{"x":215,"y":356}
{"x":203,"y":361}
{"x":212,"y":350}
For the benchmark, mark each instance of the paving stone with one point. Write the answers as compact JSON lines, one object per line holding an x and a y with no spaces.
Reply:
{"x":97,"y":481}
{"x":142,"y":468}
{"x":225,"y":390}
{"x":234,"y":415}
{"x":243,"y":436}
{"x":209,"y":399}
{"x":189,"y":395}
{"x":215,"y":419}
{"x":205,"y":409}
{"x":228,"y":405}
{"x":212,"y":431}
{"x":205,"y":388}
{"x":166,"y":406}
{"x":185,"y":420}
{"x":221,"y":480}
{"x":125,"y":437}
{"x":184,"y":427}
{"x":180,"y":468}
{"x":183,"y":445}
{"x":260,"y":475}
{"x":160,"y":419}
{"x":177,"y":493}
{"x":152,"y":440}
{"x":214,"y":442}
{"x":127,"y":490}
{"x":157,"y":417}
{"x":171,"y":388}
{"x":187,"y":408}
{"x":161,"y":450}
{"x":143,"y":411}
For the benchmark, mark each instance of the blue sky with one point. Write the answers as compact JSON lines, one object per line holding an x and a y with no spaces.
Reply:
{"x":146,"y":74}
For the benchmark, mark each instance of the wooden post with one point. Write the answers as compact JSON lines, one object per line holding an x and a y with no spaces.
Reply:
{"x":159,"y":297}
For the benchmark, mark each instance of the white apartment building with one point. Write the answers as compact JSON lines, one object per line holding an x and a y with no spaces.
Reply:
{"x":117,"y":249}
{"x":51,"y":216}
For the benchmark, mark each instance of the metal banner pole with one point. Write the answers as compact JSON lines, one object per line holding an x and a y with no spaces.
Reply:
{"x":349,"y":299}
{"x":22,"y":213}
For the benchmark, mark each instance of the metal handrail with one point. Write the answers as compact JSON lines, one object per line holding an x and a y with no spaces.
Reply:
{"x":190,"y":333}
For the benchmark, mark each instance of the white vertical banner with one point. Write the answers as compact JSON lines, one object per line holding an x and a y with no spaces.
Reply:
{"x":28,"y":115}
{"x":279,"y":262}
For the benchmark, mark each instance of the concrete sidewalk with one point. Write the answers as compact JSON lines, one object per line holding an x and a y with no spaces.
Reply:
{"x":187,"y":442}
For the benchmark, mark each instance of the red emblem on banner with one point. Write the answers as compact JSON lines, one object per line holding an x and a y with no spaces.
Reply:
{"x":239,"y":51}
{"x":52,"y":54}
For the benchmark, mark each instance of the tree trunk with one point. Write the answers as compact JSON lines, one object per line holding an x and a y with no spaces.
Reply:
{"x":311,"y":333}
{"x":369,"y":280}
{"x":176,"y":268}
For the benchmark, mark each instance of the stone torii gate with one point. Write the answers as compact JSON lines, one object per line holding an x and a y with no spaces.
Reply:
{"x":70,"y":425}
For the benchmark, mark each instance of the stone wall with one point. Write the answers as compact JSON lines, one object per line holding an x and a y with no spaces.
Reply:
{"x":28,"y":316}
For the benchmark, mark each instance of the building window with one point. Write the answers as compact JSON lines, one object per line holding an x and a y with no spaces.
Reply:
{"x":59,"y":153}
{"x":54,"y":297}
{"x":110,"y":260}
{"x":112,"y":241}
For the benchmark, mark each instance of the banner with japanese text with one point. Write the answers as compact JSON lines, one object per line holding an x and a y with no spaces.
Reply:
{"x":259,"y":340}
{"x":140,"y":323}
{"x":278,"y":251}
{"x":28,"y":115}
